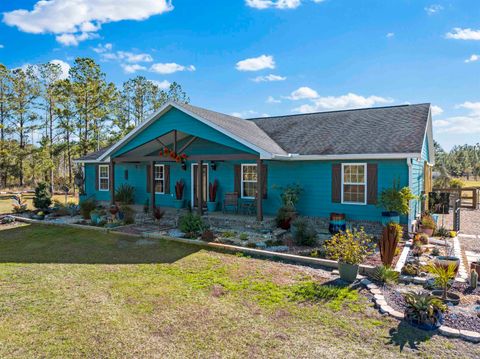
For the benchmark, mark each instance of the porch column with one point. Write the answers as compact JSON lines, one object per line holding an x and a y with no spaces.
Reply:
{"x":112,"y":181}
{"x":259,"y":190}
{"x":152,"y":185}
{"x":200,"y":187}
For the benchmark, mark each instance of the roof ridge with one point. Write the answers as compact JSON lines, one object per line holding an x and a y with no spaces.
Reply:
{"x":336,"y":111}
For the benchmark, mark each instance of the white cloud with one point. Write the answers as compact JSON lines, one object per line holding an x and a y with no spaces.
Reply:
{"x":72,"y":19}
{"x":467,"y":124}
{"x":127,"y":56}
{"x":472,"y":58}
{"x":132,"y":68}
{"x":433,"y":9}
{"x":343,"y":102}
{"x":272,"y":99}
{"x":1,"y":46}
{"x":390,"y":35}
{"x":170,"y":68}
{"x":463,"y":34}
{"x":436,"y":110}
{"x":163,"y":85}
{"x":100,"y":48}
{"x":278,"y":4}
{"x":269,"y":78}
{"x":256,"y":63}
{"x":303,"y":93}
{"x":64,"y":66}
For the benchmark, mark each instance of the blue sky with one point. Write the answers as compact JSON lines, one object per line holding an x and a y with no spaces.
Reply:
{"x":259,"y":57}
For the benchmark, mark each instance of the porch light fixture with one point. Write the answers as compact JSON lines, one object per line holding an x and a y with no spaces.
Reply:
{"x":213,"y":166}
{"x":184,"y":166}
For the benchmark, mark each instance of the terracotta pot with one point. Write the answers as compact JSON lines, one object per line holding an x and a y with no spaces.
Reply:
{"x":427,"y":231}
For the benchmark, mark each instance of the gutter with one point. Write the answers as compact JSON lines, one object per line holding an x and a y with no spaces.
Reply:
{"x":353,"y":156}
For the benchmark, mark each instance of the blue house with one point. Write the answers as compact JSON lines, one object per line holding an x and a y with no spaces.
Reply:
{"x":341,"y":159}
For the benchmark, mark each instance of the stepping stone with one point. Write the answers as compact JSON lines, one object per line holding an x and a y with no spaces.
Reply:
{"x":378,"y":297}
{"x":397,"y":314}
{"x":372,"y":286}
{"x":385,"y":309}
{"x":375,"y":291}
{"x":471,"y":336}
{"x":449,"y":332}
{"x":381,"y":302}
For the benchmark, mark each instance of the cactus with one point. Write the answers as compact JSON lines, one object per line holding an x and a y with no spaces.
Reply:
{"x":473,"y":279}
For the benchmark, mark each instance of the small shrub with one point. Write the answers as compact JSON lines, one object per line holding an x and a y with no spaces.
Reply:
{"x":125,"y":194}
{"x":243,"y":237}
{"x":410,"y":269}
{"x":86,"y":207}
{"x":417,"y":251}
{"x":423,"y":309}
{"x":420,"y":239}
{"x":305,"y":234}
{"x":385,"y":275}
{"x":43,"y":197}
{"x":428,"y":222}
{"x":452,"y":234}
{"x":442,"y":276}
{"x":350,"y":247}
{"x":228,"y":234}
{"x":19,"y":204}
{"x":397,"y":251}
{"x":251,"y":245}
{"x":191,"y":224}
{"x":456,"y":183}
{"x":128,"y":214}
{"x":396,"y":199}
{"x":208,"y":236}
{"x":435,"y":252}
{"x":442,"y":232}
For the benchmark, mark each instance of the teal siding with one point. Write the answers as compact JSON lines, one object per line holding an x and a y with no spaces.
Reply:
{"x":313,"y":176}
{"x":425,"y":150}
{"x":178,"y":120}
{"x":417,"y":184}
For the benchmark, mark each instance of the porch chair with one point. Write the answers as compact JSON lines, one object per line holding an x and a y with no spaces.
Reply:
{"x":230,"y":202}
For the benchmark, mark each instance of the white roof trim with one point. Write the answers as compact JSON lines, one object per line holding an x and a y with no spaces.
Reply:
{"x":263,"y":154}
{"x":429,"y":137}
{"x":356,"y":156}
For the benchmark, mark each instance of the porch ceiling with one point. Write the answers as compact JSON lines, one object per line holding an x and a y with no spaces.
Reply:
{"x":149,"y":147}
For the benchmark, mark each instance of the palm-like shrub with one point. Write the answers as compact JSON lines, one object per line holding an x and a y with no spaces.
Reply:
{"x":424,"y":309}
{"x":442,"y":276}
{"x":125,"y":194}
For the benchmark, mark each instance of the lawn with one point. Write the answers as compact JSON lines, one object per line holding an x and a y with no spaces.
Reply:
{"x":6,"y":201}
{"x":81,"y":293}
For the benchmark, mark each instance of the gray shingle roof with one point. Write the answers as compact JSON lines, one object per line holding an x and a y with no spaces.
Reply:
{"x":394,"y":129}
{"x":247,"y":130}
{"x":93,"y":155}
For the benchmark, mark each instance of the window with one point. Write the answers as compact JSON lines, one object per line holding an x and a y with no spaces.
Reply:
{"x":159,"y":179}
{"x":103,"y":178}
{"x":354,"y":183}
{"x":249,"y":180}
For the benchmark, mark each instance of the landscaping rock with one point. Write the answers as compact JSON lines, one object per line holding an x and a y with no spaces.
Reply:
{"x":376,"y":291}
{"x":365,"y":282}
{"x":397,"y":314}
{"x":379,"y":297}
{"x":470,"y":336}
{"x":372,"y":286}
{"x":449,"y":332}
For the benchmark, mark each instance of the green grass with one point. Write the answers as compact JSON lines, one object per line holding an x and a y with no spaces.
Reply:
{"x":6,"y":201}
{"x":81,"y":293}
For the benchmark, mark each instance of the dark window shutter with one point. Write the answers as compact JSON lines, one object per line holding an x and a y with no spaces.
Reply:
{"x":126,"y":175}
{"x":110,"y":177}
{"x":237,"y":170}
{"x":336,"y":183}
{"x":96,"y":177}
{"x":264,"y":181}
{"x":149,"y":178}
{"x":372,"y":183}
{"x":166,"y":176}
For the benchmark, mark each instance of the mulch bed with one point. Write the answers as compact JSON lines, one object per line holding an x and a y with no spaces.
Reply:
{"x":458,"y":317}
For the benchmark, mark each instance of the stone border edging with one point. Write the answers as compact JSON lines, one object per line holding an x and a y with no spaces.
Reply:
{"x":384,"y":308}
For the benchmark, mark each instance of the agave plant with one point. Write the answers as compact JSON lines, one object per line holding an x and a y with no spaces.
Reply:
{"x":424,"y":309}
{"x":385,"y":275}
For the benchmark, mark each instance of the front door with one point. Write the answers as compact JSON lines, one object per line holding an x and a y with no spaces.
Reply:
{"x":195,"y":191}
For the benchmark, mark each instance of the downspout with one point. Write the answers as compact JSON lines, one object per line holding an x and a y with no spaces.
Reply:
{"x":410,"y":183}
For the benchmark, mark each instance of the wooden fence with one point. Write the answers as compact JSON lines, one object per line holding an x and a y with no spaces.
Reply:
{"x":469,"y":196}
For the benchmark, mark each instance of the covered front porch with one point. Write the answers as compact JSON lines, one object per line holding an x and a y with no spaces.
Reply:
{"x":156,"y":166}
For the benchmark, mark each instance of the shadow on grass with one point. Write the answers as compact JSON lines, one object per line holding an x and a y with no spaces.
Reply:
{"x":52,"y":244}
{"x":405,"y":334}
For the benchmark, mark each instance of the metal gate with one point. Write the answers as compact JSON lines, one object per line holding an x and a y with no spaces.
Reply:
{"x":456,"y":214}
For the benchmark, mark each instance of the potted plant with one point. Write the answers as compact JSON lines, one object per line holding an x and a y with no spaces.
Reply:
{"x":212,"y":196}
{"x":443,"y":276}
{"x":95,"y":216}
{"x":424,"y":311}
{"x":290,"y":196}
{"x":427,"y":225}
{"x":349,"y":248}
{"x":178,"y":201}
{"x":396,"y":202}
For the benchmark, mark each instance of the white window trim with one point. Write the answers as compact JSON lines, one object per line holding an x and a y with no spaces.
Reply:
{"x":100,"y":177}
{"x":365,"y":183}
{"x":241,"y":180}
{"x":155,"y":179}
